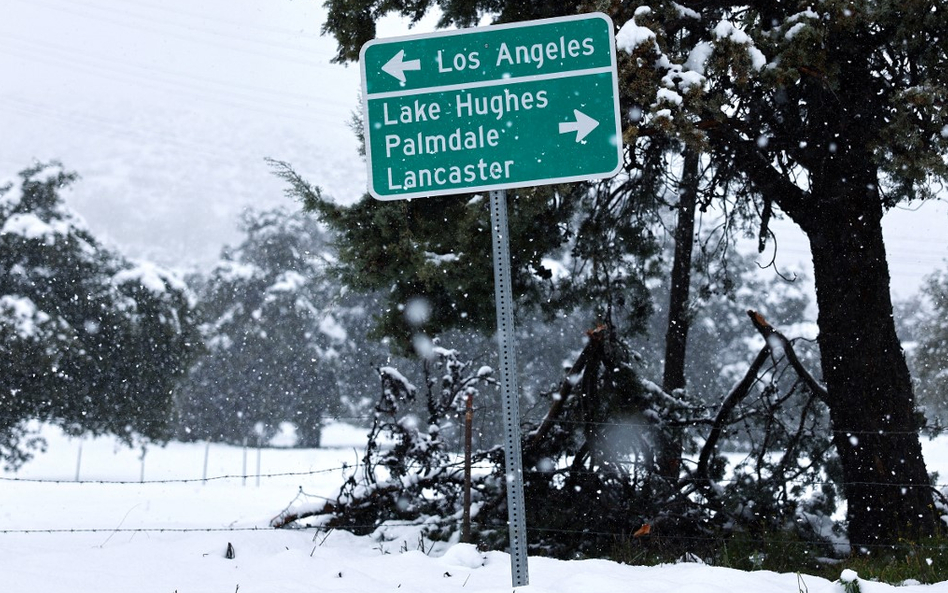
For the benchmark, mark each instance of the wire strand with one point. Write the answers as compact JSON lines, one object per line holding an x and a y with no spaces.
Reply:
{"x":180,"y":480}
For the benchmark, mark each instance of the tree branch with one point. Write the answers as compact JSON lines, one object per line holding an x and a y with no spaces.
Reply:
{"x":737,"y":394}
{"x":566,"y":386}
{"x":771,"y":334}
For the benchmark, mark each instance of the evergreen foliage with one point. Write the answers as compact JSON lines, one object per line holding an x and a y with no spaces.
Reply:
{"x":275,"y":333}
{"x":828,"y":113}
{"x":91,"y":341}
{"x":930,"y":355}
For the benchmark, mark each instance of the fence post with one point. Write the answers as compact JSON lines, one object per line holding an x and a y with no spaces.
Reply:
{"x":468,"y":429}
{"x":244,"y":472}
{"x":79,"y":461}
{"x":207,"y":452}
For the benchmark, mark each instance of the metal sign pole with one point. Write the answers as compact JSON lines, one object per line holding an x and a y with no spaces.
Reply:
{"x":503,"y":295}
{"x":433,"y":128}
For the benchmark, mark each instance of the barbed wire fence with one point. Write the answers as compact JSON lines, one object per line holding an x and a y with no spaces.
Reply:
{"x":244,"y":476}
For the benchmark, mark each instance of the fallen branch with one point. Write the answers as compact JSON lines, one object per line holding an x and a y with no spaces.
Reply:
{"x":770,"y":333}
{"x":737,"y":394}
{"x":346,"y":506}
{"x":566,"y":386}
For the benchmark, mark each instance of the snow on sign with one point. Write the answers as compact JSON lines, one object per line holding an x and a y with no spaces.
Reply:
{"x":491,"y":108}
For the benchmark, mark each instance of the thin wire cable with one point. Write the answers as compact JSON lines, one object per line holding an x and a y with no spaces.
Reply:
{"x":136,"y":530}
{"x":180,"y":480}
{"x":364,"y":527}
{"x":573,"y":532}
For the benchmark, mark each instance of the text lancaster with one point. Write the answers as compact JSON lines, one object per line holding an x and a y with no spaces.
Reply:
{"x":481,"y":172}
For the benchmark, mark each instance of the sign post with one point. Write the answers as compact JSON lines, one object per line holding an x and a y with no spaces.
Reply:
{"x":509,"y":388}
{"x":488,"y":109}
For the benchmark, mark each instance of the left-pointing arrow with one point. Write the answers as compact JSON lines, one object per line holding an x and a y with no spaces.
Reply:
{"x":397,"y":65}
{"x":582,"y":126}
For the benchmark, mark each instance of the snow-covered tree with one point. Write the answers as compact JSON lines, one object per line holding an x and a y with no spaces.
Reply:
{"x":275,"y":329}
{"x":91,"y":341}
{"x":930,"y":355}
{"x":830,"y":113}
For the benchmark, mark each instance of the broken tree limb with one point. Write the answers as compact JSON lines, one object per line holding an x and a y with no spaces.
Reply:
{"x":566,"y":386}
{"x":771,"y":333}
{"x":736,"y":395}
{"x":346,"y":506}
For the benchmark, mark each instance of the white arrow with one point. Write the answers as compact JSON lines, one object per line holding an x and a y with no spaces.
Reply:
{"x":582,"y":126}
{"x":397,"y":66}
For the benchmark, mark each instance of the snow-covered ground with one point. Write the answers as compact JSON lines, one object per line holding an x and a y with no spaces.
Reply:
{"x":165,"y":537}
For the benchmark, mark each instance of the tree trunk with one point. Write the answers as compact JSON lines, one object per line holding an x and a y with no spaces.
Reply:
{"x":871,"y":402}
{"x":676,"y":337}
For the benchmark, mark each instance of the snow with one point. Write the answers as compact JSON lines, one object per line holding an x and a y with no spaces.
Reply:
{"x":792,"y":31}
{"x":698,"y":57}
{"x":290,"y":281}
{"x":233,"y":271}
{"x":30,"y":226}
{"x":439,"y":259}
{"x":727,"y":30}
{"x":22,"y":315}
{"x":806,"y":14}
{"x":332,"y":329}
{"x":396,"y":376}
{"x":465,"y":555}
{"x":161,"y":536}
{"x":686,"y":12}
{"x":417,"y":311}
{"x":631,"y":35}
{"x":668,"y":96}
{"x":149,"y":276}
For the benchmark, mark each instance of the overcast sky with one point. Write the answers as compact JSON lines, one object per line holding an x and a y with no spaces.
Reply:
{"x":167,"y":108}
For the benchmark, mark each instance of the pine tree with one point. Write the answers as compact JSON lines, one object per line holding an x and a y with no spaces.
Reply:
{"x":275,"y":331}
{"x":930,"y":355}
{"x":830,"y":114}
{"x":92,"y":342}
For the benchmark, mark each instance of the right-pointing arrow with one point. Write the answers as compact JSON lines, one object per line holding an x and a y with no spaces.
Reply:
{"x":397,"y":65}
{"x":582,"y":126}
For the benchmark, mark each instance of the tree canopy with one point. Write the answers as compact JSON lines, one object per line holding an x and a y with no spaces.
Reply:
{"x":91,"y":341}
{"x":275,"y":333}
{"x":829,"y":114}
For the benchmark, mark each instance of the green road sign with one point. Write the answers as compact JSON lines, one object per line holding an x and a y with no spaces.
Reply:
{"x":490,"y":108}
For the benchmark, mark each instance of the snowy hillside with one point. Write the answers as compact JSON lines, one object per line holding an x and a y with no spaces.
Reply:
{"x":167,"y":110}
{"x":163,"y":536}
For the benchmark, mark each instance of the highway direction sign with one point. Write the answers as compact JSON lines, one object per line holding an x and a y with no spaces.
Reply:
{"x":491,"y":108}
